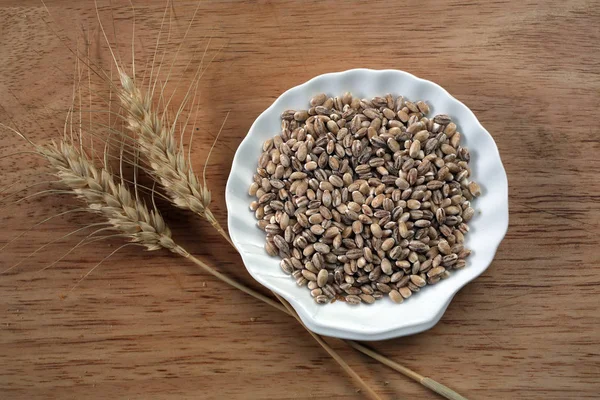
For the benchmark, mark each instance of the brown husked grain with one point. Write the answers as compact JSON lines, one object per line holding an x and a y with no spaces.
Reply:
{"x":362,"y":198}
{"x":395,"y":296}
{"x":405,"y":292}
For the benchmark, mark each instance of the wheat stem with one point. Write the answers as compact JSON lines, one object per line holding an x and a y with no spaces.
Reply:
{"x":425,"y":381}
{"x":205,"y":267}
{"x":369,"y":392}
{"x":213,"y":221}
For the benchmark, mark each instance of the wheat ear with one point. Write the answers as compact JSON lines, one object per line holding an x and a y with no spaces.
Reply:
{"x":113,"y":200}
{"x":167,"y":162}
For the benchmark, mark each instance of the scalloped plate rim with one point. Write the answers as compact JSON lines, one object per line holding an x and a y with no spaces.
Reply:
{"x":307,"y":319}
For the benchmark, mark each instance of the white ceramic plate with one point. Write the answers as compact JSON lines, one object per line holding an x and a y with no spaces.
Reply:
{"x":383,"y":319}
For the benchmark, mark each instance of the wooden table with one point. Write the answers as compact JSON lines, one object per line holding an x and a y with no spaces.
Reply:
{"x":149,"y":325}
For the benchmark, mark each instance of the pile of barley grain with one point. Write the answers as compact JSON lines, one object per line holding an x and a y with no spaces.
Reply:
{"x":362,"y":198}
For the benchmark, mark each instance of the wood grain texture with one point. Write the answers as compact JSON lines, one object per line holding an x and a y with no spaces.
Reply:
{"x":151,"y":326}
